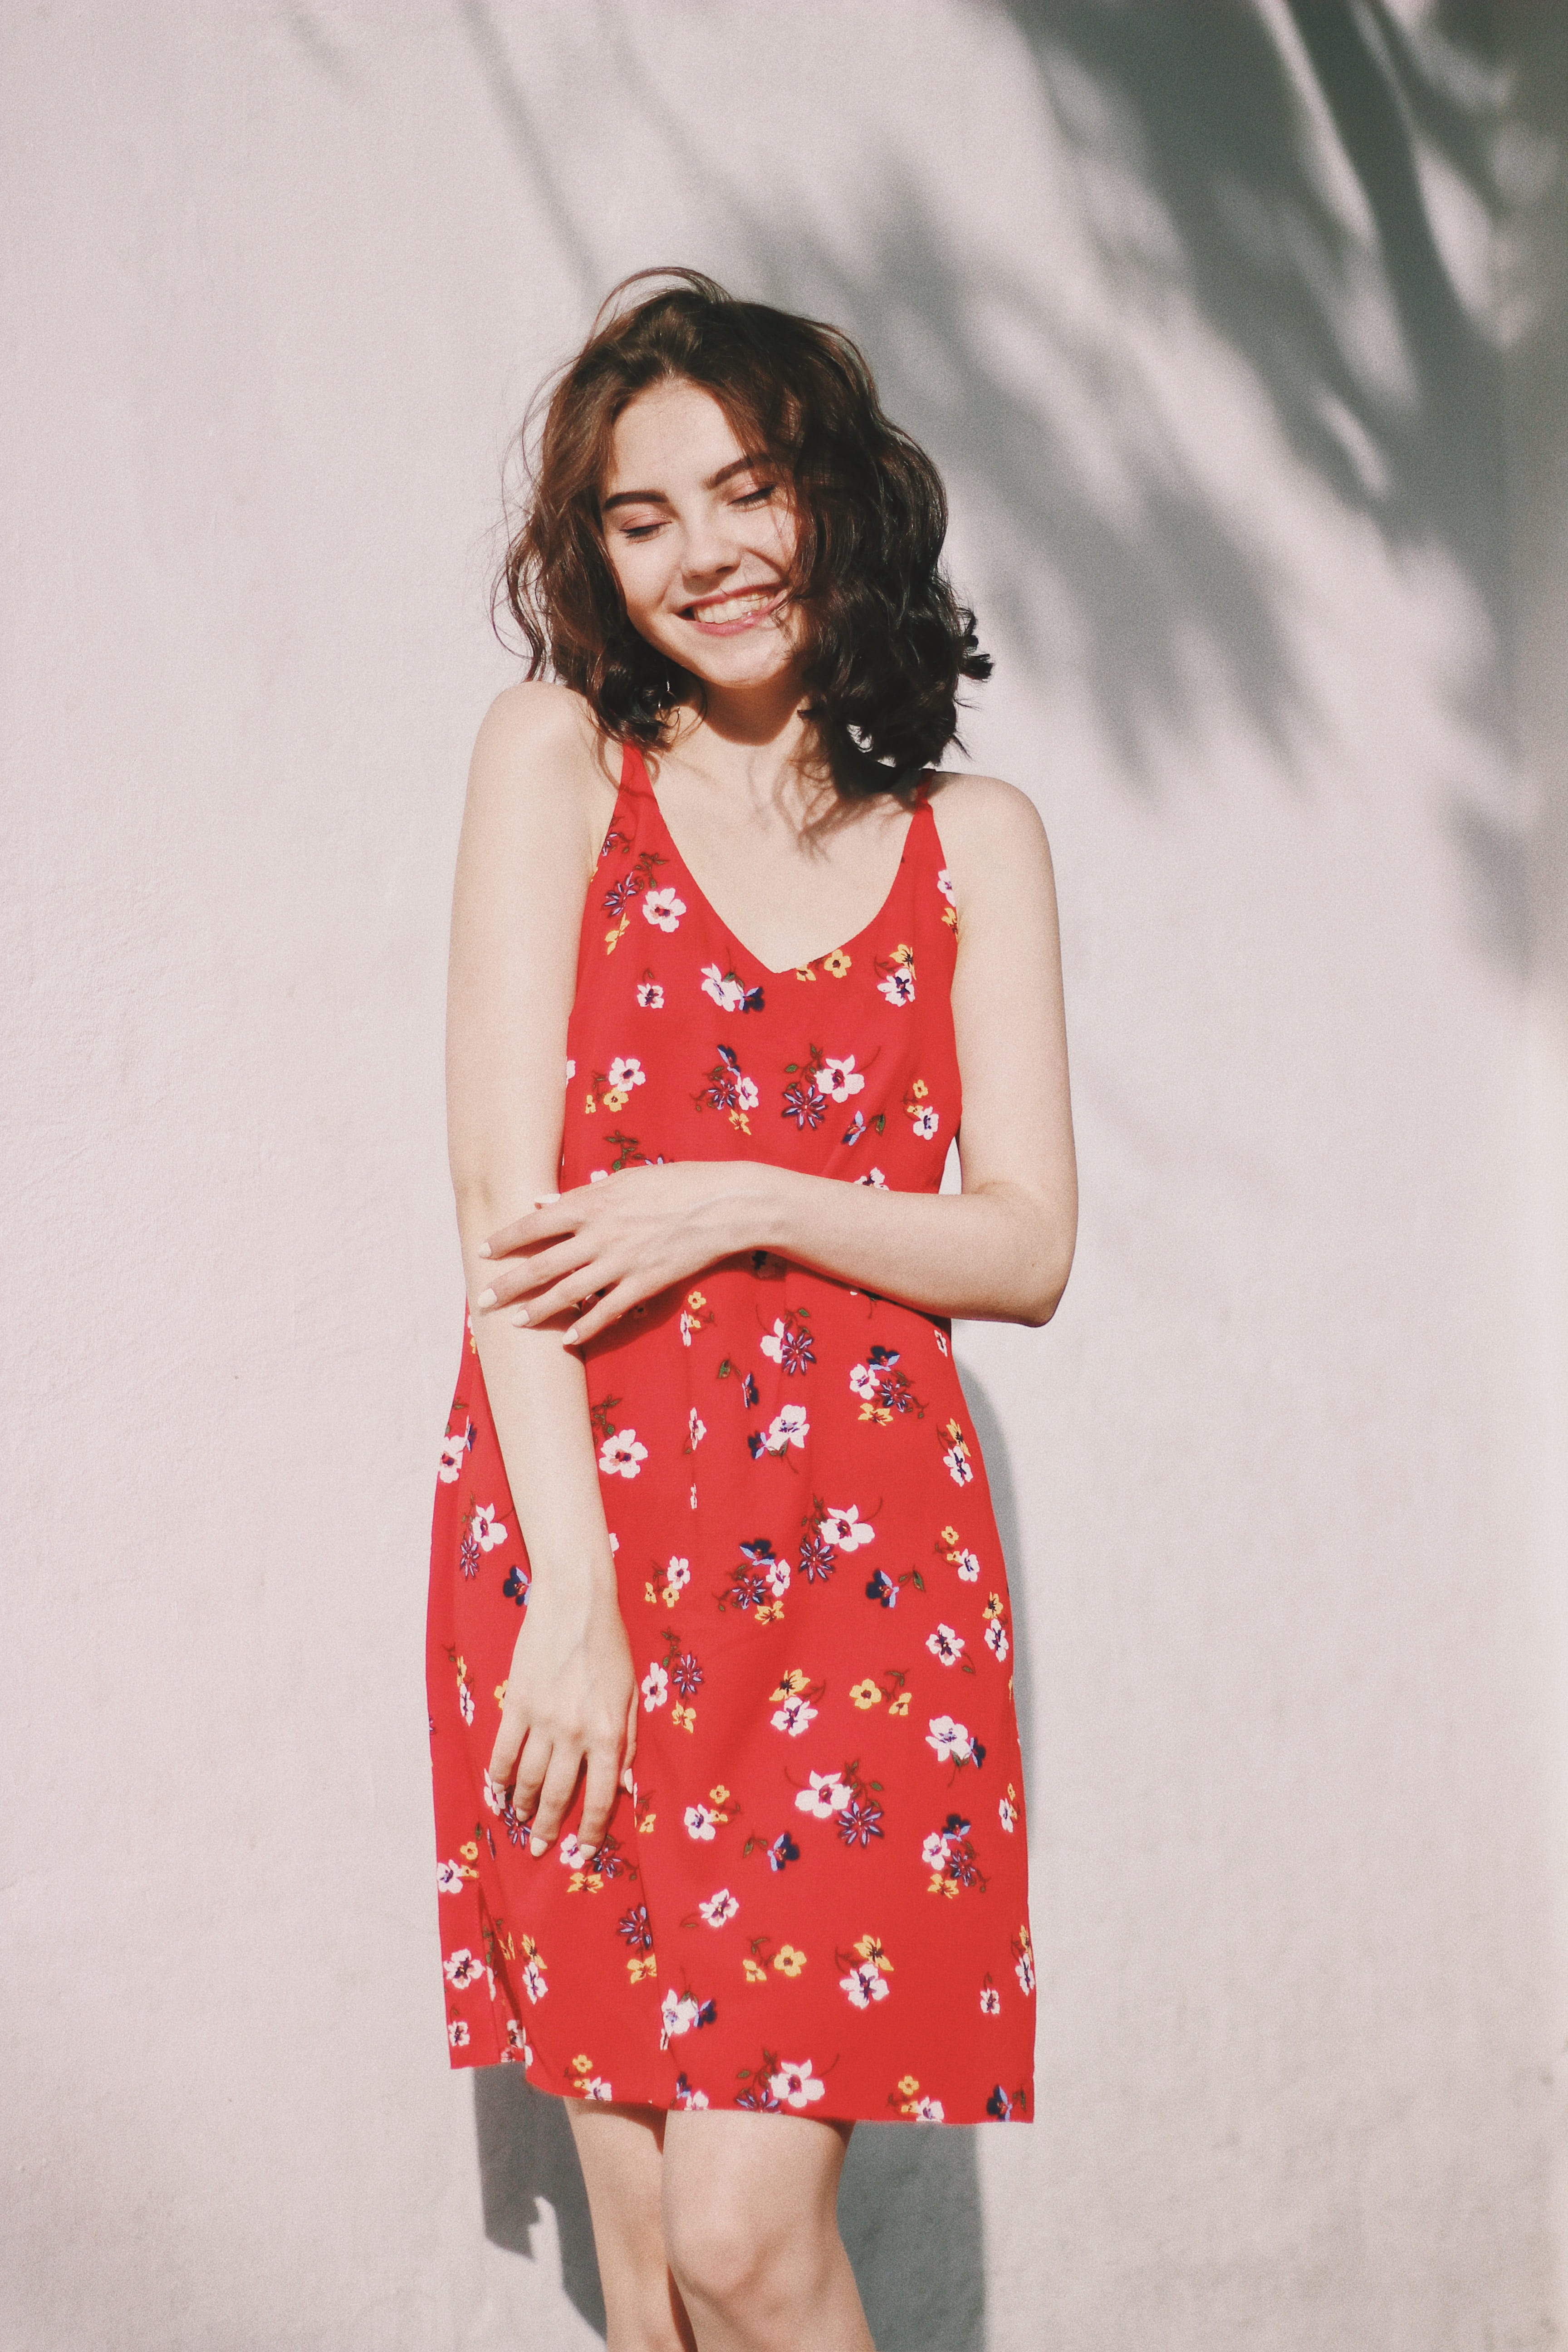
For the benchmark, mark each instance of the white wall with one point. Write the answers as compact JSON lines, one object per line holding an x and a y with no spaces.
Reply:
{"x":1203,"y":324}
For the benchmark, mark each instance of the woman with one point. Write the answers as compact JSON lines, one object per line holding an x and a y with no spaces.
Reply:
{"x":727,"y":1787}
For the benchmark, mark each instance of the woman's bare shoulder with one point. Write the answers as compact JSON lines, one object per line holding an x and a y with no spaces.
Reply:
{"x":539,"y":754}
{"x":982,"y":817}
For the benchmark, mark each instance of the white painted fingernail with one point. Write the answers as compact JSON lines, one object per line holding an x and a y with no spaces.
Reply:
{"x":482,"y":1250}
{"x":569,"y":1338}
{"x":486,"y":1298}
{"x":521,"y":1316}
{"x":546,"y":1200}
{"x":538,"y":1845}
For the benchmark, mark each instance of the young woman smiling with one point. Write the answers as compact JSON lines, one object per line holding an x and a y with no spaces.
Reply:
{"x":729,"y":1796}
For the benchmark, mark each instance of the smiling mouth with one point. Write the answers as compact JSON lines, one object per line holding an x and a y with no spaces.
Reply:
{"x":735,"y":611}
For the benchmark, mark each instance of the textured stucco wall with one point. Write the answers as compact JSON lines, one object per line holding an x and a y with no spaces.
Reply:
{"x":1201,"y":310}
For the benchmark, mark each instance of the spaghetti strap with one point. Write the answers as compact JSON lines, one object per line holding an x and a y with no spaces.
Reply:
{"x":634,"y":770}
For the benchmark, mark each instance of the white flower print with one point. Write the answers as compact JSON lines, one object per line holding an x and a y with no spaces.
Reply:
{"x":838,"y":1079}
{"x":795,"y":2084}
{"x":654,"y":1688}
{"x":789,"y":1427}
{"x":950,"y":1741}
{"x":449,"y":1878}
{"x":533,"y":1983}
{"x":662,"y":908}
{"x":690,"y":2098}
{"x":928,"y":2111}
{"x":496,"y":1798}
{"x":925,"y":1123}
{"x":463,"y":1969}
{"x":597,"y":2087}
{"x":899,"y":987}
{"x":728,"y":993}
{"x":956,"y":1461}
{"x":465,"y":1702}
{"x":697,"y":1429}
{"x":486,"y":1529}
{"x":795,"y":1715}
{"x":625,"y":1073}
{"x":944,"y":884}
{"x":990,"y":2001}
{"x":827,"y":1795}
{"x":456,"y":2034}
{"x":719,"y":1908}
{"x":698,"y":1820}
{"x":772,"y":1343}
{"x":1006,"y":1812}
{"x":678,"y":2014}
{"x":968,"y":1566}
{"x":620,"y":1454}
{"x":677,"y":1574}
{"x":452,"y":1452}
{"x":574,"y":1854}
{"x":997,"y":1639}
{"x":873,"y":1176}
{"x":863,"y":1381}
{"x":846,"y":1529}
{"x":571,"y":1070}
{"x":1024,"y":1970}
{"x":864,"y":1985}
{"x":933,"y":1851}
{"x":650,"y":996}
{"x":516,"y":2042}
{"x":945,"y":1645}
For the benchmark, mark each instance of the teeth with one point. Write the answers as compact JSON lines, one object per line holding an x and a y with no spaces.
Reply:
{"x":735,"y":608}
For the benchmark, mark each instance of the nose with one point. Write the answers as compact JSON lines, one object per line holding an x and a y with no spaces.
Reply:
{"x":710,"y":552}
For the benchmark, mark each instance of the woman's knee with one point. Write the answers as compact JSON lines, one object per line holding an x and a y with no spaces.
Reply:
{"x":735,"y":2253}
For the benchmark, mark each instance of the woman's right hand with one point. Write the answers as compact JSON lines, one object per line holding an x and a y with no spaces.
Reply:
{"x":569,"y":1714}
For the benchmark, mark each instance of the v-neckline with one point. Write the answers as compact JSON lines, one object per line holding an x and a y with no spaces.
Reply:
{"x":782,"y":972}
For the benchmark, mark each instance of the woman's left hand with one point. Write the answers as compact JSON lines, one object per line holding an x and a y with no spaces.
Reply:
{"x":630,"y":1236}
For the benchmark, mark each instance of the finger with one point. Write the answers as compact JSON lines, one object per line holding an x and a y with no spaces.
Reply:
{"x":551,"y":1214}
{"x":598,"y":1797}
{"x":606,"y":1310}
{"x":565,"y":1764}
{"x":532,"y":1766}
{"x":502,"y":1765}
{"x":629,"y":1751}
{"x":534,"y":1270}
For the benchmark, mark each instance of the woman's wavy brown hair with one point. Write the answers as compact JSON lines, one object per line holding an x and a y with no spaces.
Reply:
{"x":886,"y":641}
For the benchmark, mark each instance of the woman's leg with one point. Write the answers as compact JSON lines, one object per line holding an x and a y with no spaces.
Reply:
{"x":618,"y":2149}
{"x":750,"y":2232}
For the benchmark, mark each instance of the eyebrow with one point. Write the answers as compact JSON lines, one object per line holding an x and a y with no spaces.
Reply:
{"x":660,"y":498}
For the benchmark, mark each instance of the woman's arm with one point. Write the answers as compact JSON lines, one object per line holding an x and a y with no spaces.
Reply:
{"x":999,"y":1250}
{"x":523,"y":862}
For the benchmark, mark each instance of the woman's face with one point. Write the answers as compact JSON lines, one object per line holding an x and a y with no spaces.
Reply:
{"x":701,"y":533}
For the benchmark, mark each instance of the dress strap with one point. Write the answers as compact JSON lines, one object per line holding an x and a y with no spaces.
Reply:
{"x":922,"y":792}
{"x":634,"y":770}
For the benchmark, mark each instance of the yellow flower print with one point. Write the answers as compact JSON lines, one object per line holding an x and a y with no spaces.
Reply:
{"x":907,"y":2086}
{"x":683,"y":1717}
{"x":755,"y":1972}
{"x":650,"y":1593}
{"x":899,"y":1706}
{"x":866,"y":1694}
{"x":615,"y":933}
{"x":804,"y":972}
{"x":615,"y":1098}
{"x":695,"y":1301}
{"x":920,"y":1090}
{"x":792,"y":1685}
{"x":581,"y":2064}
{"x":500,"y":1694}
{"x":838,"y":963}
{"x":788,"y":1960}
{"x":718,"y":1795}
{"x":592,"y":1105}
{"x":639,"y":1967}
{"x":645,"y":1824}
{"x":870,"y":1948}
{"x":470,"y":1853}
{"x":948,"y":1535}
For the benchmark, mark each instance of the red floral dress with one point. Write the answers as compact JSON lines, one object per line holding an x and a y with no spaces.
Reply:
{"x":817,"y":1901}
